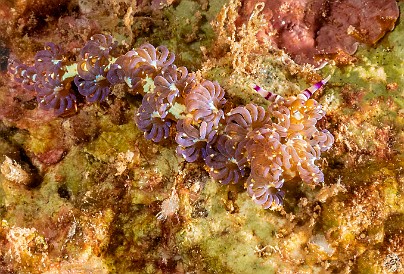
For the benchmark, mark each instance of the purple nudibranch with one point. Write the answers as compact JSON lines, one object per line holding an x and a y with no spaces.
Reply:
{"x":264,"y":147}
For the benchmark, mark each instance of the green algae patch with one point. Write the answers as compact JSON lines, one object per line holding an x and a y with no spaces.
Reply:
{"x":113,"y":138}
{"x":369,"y":263}
{"x":357,"y":219}
{"x":391,"y":193}
{"x":28,"y":205}
{"x":44,"y":137}
{"x":74,"y":171}
{"x":136,"y":235}
{"x":228,"y":242}
{"x":377,"y":69}
{"x":153,"y":179}
{"x":117,"y":139}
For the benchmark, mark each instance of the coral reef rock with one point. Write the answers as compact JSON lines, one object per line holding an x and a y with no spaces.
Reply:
{"x":311,"y":29}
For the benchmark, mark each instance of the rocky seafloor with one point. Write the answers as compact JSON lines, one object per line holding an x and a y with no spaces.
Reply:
{"x":87,"y":193}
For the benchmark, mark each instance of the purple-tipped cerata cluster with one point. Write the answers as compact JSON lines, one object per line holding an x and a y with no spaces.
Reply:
{"x":264,"y":146}
{"x":46,"y":78}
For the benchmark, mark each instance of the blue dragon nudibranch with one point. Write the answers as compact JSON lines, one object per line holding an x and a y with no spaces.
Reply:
{"x":266,"y":147}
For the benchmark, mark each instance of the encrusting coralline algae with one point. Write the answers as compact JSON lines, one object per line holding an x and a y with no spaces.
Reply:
{"x":268,"y":146}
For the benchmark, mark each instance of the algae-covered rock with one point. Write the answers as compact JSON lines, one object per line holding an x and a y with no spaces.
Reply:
{"x":107,"y":200}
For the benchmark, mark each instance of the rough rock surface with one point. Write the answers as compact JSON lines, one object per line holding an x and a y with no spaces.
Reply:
{"x":100,"y":204}
{"x":309,"y":29}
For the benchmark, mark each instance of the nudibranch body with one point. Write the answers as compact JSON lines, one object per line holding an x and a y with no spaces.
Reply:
{"x":262,"y":147}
